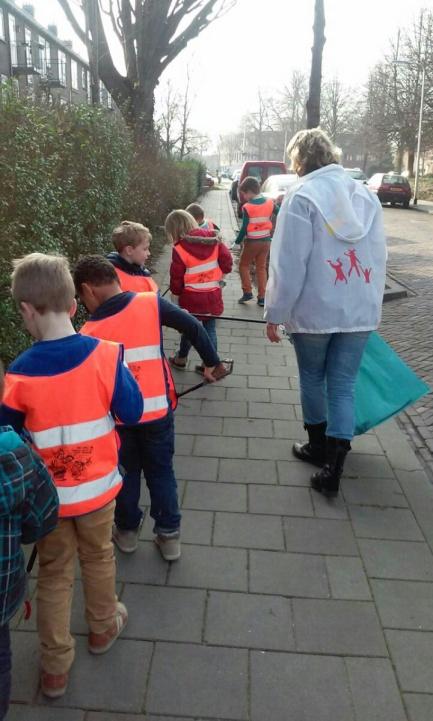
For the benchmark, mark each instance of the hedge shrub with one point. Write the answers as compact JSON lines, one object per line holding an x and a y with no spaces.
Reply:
{"x":68,"y":175}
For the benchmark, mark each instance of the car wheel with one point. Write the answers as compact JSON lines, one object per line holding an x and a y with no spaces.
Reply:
{"x":393,"y":205}
{"x":406,"y":204}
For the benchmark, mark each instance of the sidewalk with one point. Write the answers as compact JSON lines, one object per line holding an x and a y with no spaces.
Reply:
{"x":284,"y":606}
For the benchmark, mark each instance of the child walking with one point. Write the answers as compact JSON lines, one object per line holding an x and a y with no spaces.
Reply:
{"x":257,"y":230}
{"x":197,"y":213}
{"x":64,"y":391}
{"x":199,"y":261}
{"x":28,"y":511}
{"x":147,"y":446}
{"x":132,"y":249}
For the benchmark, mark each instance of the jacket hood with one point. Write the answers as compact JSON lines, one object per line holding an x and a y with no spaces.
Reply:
{"x":347,"y":207}
{"x":131,"y":268}
{"x":9,"y":443}
{"x":202,"y":236}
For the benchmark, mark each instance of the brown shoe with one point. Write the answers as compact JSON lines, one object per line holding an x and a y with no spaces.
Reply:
{"x":99,"y":643}
{"x":54,"y":685}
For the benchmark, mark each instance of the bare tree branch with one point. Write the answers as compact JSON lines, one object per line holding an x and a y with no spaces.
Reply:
{"x":64,"y":4}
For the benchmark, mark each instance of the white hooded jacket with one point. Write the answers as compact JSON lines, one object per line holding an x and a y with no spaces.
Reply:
{"x":328,"y":256}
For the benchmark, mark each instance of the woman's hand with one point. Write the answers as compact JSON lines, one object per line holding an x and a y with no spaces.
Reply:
{"x":272,"y":332}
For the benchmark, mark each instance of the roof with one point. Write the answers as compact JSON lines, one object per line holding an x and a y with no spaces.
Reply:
{"x":30,"y":20}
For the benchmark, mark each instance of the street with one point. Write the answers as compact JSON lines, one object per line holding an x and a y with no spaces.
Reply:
{"x":407,"y":322}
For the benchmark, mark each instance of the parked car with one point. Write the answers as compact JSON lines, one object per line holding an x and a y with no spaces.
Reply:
{"x":275,"y":186}
{"x":391,"y":188}
{"x":234,"y":187}
{"x":260,"y":169}
{"x":357,"y":174}
{"x":209,"y":181}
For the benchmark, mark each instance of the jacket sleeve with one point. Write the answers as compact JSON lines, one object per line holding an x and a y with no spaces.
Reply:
{"x":177,"y":273}
{"x":127,"y":402}
{"x":243,"y":230}
{"x":40,"y":507}
{"x":290,"y":250}
{"x":225,"y":259}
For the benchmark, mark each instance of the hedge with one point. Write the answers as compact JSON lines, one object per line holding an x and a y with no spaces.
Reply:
{"x":68,"y":175}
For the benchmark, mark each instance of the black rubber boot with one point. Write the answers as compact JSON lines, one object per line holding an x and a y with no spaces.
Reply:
{"x":327,"y":481}
{"x":314,"y":451}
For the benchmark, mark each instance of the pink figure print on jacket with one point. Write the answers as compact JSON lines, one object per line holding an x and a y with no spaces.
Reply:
{"x":355,"y":263}
{"x":367,"y":274}
{"x":339,"y":272}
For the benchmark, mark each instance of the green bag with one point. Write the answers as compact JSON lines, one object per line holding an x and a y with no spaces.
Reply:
{"x":385,"y":385}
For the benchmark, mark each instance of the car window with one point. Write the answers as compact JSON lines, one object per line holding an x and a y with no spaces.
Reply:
{"x":275,"y":170}
{"x":254,"y":171}
{"x":356,"y":174}
{"x":395,"y":180}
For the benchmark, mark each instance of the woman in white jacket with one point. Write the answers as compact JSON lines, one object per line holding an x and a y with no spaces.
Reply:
{"x":326,"y":285}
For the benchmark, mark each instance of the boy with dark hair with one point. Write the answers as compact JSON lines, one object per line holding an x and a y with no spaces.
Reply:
{"x":28,"y":511}
{"x":256,"y":229}
{"x":147,"y":446}
{"x":132,"y":249}
{"x":197,"y":213}
{"x":64,"y":391}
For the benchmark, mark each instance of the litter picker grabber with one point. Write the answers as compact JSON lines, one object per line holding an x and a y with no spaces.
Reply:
{"x":224,"y":369}
{"x":30,"y":564}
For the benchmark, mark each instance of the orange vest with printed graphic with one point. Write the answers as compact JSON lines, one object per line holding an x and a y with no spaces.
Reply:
{"x":260,"y":219}
{"x":136,"y":283}
{"x":68,"y":418}
{"x":200,"y":275}
{"x":138,"y":328}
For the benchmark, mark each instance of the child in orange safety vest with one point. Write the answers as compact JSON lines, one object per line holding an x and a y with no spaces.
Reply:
{"x":147,"y":446}
{"x":197,"y":213}
{"x":199,"y":261}
{"x":64,"y":392}
{"x":256,"y":229}
{"x":132,"y":249}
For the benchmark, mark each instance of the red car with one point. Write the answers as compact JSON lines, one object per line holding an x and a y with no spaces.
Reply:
{"x":391,"y":188}
{"x":260,"y":169}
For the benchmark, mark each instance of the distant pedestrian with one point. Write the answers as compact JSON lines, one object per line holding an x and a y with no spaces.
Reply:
{"x":256,"y":229}
{"x":326,"y":284}
{"x":199,"y":261}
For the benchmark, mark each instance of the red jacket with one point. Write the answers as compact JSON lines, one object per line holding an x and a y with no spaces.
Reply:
{"x":200,"y":243}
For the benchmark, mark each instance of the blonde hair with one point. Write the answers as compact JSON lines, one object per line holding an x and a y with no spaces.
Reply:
{"x":45,"y":281}
{"x":312,"y":149}
{"x":129,"y":233}
{"x":178,"y":223}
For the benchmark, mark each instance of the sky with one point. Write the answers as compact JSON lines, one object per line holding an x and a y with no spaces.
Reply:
{"x":259,"y":43}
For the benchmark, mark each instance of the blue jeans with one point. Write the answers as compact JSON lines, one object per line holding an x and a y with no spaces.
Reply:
{"x":5,"y":670}
{"x":210,"y":328}
{"x":328,"y":366}
{"x":148,"y":448}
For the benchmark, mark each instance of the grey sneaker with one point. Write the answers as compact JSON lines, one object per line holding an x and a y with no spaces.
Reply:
{"x":169,"y":546}
{"x":126,"y":541}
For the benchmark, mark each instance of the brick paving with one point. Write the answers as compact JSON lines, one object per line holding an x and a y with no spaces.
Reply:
{"x":284,"y":605}
{"x":407,"y":323}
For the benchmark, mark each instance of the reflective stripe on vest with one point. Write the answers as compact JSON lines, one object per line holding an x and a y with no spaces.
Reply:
{"x":138,"y":328}
{"x":74,"y":433}
{"x":68,"y":418}
{"x":260,"y":219}
{"x":136,"y":283}
{"x":200,"y":275}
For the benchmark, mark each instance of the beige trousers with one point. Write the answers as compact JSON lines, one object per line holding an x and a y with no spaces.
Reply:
{"x":89,"y":537}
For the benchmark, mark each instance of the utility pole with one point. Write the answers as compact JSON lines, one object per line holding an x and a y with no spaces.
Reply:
{"x":313,"y":102}
{"x":418,"y":152}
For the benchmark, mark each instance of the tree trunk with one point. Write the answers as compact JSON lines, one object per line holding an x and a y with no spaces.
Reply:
{"x":399,"y":159}
{"x":313,"y":102}
{"x":411,"y":163}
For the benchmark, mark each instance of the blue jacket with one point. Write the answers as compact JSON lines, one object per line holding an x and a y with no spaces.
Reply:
{"x":28,"y":511}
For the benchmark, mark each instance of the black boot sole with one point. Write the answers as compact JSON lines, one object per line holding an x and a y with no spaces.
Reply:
{"x":324,"y":491}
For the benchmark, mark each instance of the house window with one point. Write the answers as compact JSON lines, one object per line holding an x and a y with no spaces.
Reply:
{"x":109,"y":101}
{"x":13,"y":40}
{"x":27,"y":47}
{"x":83,"y":79}
{"x":89,"y":87}
{"x":74,"y":75}
{"x":41,"y":56}
{"x":62,"y":67}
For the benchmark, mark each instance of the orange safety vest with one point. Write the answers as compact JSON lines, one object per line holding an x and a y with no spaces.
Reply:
{"x":260,"y":219}
{"x":136,"y":283}
{"x":200,"y":275}
{"x":138,"y":328}
{"x":68,"y":418}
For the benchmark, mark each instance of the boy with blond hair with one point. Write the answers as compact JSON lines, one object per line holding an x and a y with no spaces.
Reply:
{"x":64,"y":392}
{"x":132,"y":249}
